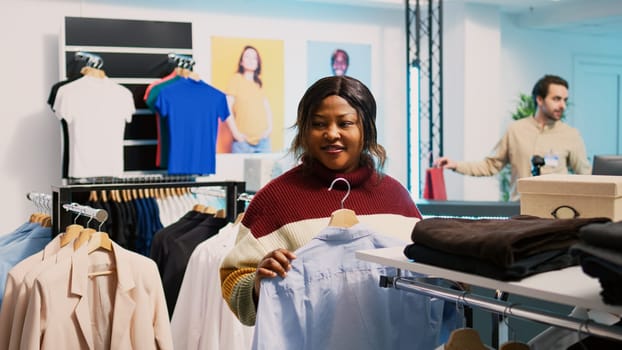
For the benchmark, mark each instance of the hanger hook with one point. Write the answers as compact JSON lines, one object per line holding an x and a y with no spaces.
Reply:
{"x":75,"y":220}
{"x":347,"y":193}
{"x":506,"y":319}
{"x":99,"y":228}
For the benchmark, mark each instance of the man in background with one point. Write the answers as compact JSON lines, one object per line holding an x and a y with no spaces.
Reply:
{"x":543,"y":138}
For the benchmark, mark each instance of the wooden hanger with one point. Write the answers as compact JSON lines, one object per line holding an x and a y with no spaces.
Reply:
{"x":239,"y":218}
{"x":189,"y":74}
{"x":93,"y":72}
{"x":210,"y":210}
{"x":514,"y":345}
{"x":36,"y":217}
{"x":83,"y":237}
{"x":199,"y":207}
{"x":194,"y":76}
{"x":71,"y":232}
{"x":117,"y":196}
{"x":342,"y":217}
{"x":99,"y":240}
{"x":46,"y":220}
{"x":220,"y":214}
{"x":465,"y":339}
{"x":127,"y":195}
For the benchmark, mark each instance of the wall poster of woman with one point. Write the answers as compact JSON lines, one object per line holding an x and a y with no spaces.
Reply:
{"x":250,"y":73}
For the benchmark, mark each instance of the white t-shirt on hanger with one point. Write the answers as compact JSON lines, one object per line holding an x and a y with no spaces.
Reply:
{"x":96,"y":111}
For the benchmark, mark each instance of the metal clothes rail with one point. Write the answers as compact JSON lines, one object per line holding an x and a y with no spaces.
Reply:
{"x":568,"y":286}
{"x":502,"y":307}
{"x":67,"y":194}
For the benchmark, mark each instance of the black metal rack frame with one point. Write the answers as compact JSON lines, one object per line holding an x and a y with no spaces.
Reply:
{"x":67,"y":194}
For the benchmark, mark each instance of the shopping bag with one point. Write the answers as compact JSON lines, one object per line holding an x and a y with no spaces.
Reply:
{"x":434,"y":186}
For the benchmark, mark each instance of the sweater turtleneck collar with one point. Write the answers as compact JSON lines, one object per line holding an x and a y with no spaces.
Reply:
{"x":356,"y":178}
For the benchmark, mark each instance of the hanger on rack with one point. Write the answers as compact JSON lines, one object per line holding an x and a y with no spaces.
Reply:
{"x":99,"y":240}
{"x":71,"y":232}
{"x":93,"y":65}
{"x":85,"y":234}
{"x":96,"y":239}
{"x":239,"y":218}
{"x":42,"y":203}
{"x":198,"y":207}
{"x":342,"y":217}
{"x":465,"y":339}
{"x":511,"y":344}
{"x":185,"y":66}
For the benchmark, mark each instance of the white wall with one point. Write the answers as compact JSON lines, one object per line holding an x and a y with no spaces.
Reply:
{"x":30,"y":140}
{"x":472,"y":89}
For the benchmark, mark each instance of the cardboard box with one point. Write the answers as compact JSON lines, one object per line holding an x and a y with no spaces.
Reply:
{"x":567,"y":196}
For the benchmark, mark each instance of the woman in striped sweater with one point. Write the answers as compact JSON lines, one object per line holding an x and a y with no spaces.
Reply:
{"x":336,"y":137}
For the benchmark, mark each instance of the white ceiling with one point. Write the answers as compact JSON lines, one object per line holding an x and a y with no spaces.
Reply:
{"x":592,"y":17}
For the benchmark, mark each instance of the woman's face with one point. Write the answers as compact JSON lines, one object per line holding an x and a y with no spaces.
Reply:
{"x":335,"y":137}
{"x":250,"y":60}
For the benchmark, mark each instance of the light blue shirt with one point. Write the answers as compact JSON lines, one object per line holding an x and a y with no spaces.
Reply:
{"x":18,"y":250}
{"x":19,"y":234}
{"x":332,"y":300}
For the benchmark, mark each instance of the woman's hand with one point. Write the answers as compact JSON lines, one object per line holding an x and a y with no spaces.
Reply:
{"x":277,"y":262}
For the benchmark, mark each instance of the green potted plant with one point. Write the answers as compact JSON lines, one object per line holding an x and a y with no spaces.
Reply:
{"x":525,"y":108}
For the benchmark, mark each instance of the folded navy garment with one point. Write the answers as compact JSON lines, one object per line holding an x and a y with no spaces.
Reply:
{"x":502,"y":242}
{"x":537,"y":263}
{"x":606,"y":234}
{"x":582,"y":250}
{"x":605,"y":265}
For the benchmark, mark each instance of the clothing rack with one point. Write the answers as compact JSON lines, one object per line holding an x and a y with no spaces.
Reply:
{"x":98,"y":214}
{"x":546,"y":286}
{"x":501,"y":307}
{"x":42,"y":201}
{"x":67,"y":194}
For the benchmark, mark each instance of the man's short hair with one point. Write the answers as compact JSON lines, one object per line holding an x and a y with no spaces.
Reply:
{"x":541,"y":88}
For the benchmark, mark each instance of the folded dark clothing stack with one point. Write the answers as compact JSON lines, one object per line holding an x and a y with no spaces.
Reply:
{"x":503,"y":249}
{"x":541,"y":262}
{"x":599,"y":253}
{"x":606,"y":235}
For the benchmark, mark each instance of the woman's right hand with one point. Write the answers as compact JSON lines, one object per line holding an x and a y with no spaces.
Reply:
{"x":275,"y":263}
